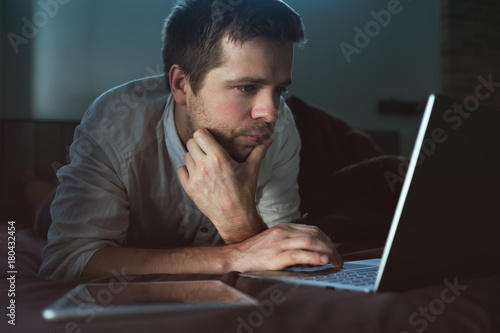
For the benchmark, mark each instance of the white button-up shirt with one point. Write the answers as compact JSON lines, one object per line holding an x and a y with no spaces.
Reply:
{"x":121,"y":187}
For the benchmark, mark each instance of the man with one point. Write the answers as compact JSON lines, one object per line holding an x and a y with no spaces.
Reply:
{"x":197,"y":172}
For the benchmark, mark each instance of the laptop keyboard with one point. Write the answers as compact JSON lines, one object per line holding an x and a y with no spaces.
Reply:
{"x":359,"y":277}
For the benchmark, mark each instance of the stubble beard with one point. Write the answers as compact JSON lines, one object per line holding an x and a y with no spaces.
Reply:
{"x":224,"y":139}
{"x":224,"y":136}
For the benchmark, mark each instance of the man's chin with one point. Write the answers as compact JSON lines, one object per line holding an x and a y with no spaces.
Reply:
{"x":240,"y":155}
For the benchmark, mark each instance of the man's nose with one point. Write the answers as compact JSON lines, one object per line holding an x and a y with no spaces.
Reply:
{"x":266,"y":107}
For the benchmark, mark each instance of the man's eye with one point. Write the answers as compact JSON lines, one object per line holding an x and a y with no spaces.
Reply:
{"x":281,"y":90}
{"x":246,"y":88}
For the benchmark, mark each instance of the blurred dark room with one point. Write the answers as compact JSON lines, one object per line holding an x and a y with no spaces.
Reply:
{"x":371,"y":69}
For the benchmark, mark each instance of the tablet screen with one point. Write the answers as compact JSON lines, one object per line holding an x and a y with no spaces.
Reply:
{"x":111,"y":299}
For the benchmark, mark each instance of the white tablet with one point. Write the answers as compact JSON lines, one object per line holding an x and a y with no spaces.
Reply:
{"x":114,"y":299}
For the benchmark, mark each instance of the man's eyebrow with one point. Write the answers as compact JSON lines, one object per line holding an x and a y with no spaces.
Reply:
{"x":255,"y":80}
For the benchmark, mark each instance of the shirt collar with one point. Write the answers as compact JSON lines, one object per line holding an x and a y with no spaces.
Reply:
{"x":174,"y":144}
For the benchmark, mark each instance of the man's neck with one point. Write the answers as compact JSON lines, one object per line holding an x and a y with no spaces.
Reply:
{"x":180,"y":122}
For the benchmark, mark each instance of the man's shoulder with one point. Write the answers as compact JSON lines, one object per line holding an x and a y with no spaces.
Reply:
{"x":142,"y":96}
{"x":285,"y":131}
{"x":128,"y":114}
{"x":286,"y":141}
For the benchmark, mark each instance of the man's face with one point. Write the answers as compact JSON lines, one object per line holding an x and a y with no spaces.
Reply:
{"x":238,"y":102}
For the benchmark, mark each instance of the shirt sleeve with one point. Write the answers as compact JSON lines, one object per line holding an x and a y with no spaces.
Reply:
{"x":90,"y":210}
{"x":277,"y":195}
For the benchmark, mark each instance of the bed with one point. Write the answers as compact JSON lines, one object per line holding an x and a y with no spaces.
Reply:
{"x":282,"y":308}
{"x":358,"y":212}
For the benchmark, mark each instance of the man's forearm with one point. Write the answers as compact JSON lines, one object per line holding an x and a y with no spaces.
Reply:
{"x":210,"y":260}
{"x":273,"y":249}
{"x":246,"y":227}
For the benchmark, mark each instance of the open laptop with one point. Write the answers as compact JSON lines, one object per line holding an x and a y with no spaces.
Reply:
{"x":447,"y":221}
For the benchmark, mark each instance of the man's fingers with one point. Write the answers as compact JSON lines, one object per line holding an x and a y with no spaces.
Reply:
{"x":311,"y":238}
{"x":303,"y":257}
{"x":195,"y":150}
{"x":309,"y":229}
{"x":183,"y":175}
{"x":302,"y":227}
{"x":315,"y":245}
{"x":336,"y":259}
{"x":309,"y":243}
{"x":259,"y":152}
{"x":189,"y":162}
{"x":207,"y":142}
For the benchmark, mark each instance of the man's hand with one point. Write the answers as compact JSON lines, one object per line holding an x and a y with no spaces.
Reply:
{"x":284,"y":245}
{"x":274,"y":249}
{"x":223,"y":189}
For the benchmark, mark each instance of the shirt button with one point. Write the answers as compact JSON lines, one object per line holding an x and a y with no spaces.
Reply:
{"x":204,"y":229}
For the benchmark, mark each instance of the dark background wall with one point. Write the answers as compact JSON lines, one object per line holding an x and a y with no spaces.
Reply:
{"x":471,"y":48}
{"x":81,"y":48}
{"x":57,"y":56}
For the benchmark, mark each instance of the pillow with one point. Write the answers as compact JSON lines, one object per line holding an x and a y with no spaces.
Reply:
{"x":36,"y":191}
{"x":342,"y":176}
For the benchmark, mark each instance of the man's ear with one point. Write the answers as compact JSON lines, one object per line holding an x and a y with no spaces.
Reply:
{"x":178,"y":84}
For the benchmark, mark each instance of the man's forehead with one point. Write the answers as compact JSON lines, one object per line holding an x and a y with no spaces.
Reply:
{"x":246,"y":60}
{"x":233,"y":44}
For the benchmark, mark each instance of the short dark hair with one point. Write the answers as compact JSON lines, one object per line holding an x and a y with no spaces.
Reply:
{"x":194,"y":30}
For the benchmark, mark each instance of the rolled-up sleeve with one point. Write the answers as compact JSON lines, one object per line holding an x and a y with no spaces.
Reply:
{"x":90,"y":210}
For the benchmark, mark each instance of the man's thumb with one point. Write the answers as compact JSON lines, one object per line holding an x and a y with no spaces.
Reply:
{"x":259,"y":152}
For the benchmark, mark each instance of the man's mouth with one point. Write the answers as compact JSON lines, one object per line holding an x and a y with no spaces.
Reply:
{"x":256,"y":138}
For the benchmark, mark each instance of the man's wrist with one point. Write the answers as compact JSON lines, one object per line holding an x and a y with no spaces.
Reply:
{"x":229,"y":258}
{"x":243,"y":227}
